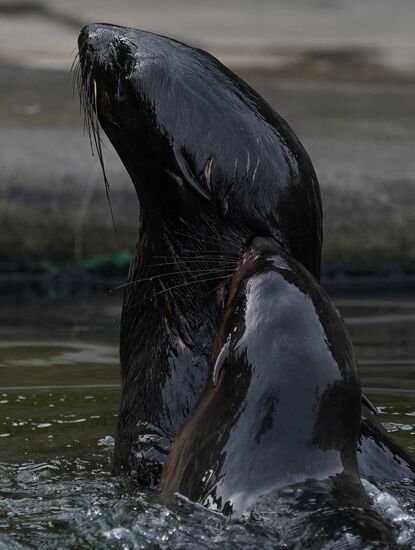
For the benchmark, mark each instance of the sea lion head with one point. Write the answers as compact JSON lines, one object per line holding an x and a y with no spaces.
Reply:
{"x":197,"y":140}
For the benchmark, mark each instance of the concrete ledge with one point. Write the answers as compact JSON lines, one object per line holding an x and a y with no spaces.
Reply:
{"x":361,"y":138}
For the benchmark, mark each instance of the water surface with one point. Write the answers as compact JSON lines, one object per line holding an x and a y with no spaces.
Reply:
{"x":59,"y":396}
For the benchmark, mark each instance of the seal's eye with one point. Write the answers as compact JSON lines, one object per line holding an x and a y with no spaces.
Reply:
{"x":125,"y":57}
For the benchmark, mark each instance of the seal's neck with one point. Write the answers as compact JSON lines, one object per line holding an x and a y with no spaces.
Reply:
{"x":180,"y":275}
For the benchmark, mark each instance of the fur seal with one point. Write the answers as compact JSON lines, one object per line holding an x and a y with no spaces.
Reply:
{"x":283,"y":404}
{"x":214,"y":168}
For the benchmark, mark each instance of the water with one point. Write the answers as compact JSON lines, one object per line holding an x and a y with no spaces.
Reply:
{"x":59,"y":395}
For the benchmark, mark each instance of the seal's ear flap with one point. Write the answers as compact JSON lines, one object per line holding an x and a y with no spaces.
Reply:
{"x":220,"y":362}
{"x":186,"y":174}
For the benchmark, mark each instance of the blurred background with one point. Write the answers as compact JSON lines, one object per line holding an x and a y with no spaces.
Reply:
{"x":341,"y":72}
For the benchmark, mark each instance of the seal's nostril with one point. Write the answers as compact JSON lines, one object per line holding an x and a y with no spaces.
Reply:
{"x":83,"y":36}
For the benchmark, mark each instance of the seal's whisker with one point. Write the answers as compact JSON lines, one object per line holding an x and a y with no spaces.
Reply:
{"x":88,"y":94}
{"x":194,"y":238}
{"x":218,"y":287}
{"x":75,"y":76}
{"x":103,"y":144}
{"x":200,"y":273}
{"x":208,"y":252}
{"x":75,"y":61}
{"x":99,"y":151}
{"x":209,"y":272}
{"x":186,"y":263}
{"x":88,"y":129}
{"x":187,"y":283}
{"x":75,"y":69}
{"x":85,"y":104}
{"x":125,"y":309}
{"x":194,"y":264}
{"x":204,"y":240}
{"x":87,"y":125}
{"x":213,"y":228}
{"x":201,"y":256}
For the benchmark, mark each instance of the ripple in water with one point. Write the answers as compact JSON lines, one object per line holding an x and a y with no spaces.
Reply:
{"x":58,"y":407}
{"x":77,"y":503}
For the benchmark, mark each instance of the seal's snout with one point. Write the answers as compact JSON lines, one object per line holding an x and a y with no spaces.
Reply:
{"x":105,"y":49}
{"x":83,"y":36}
{"x":96,"y":36}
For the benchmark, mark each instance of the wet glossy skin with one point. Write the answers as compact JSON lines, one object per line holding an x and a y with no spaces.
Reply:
{"x":214,"y":167}
{"x":194,"y":137}
{"x":283,"y":403}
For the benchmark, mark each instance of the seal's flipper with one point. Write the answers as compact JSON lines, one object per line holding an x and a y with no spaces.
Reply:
{"x":379,"y":457}
{"x":288,"y":407}
{"x":368,"y":403}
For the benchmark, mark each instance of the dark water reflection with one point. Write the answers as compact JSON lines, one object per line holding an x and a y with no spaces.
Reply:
{"x":59,"y":394}
{"x":383,"y":334}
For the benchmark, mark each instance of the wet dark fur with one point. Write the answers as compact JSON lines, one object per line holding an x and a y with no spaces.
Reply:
{"x":213,"y":167}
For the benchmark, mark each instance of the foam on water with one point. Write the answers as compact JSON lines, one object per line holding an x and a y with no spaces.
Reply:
{"x":399,"y":512}
{"x":66,"y":502}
